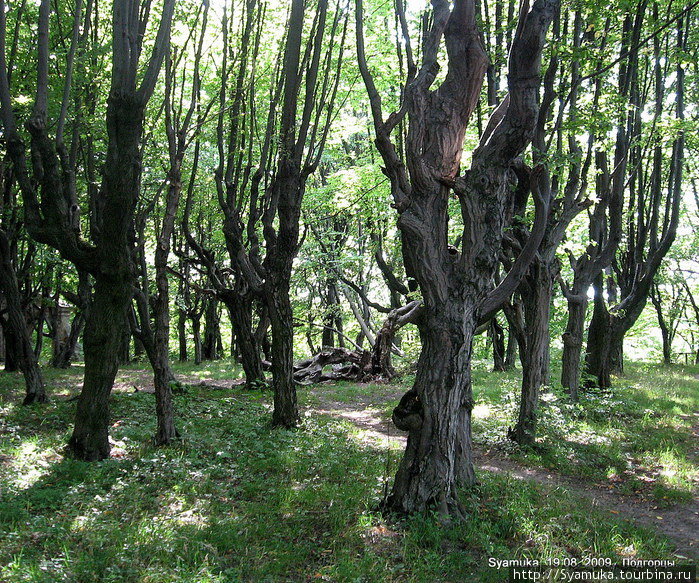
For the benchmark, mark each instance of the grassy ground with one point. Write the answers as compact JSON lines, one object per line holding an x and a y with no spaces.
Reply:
{"x":238,"y":501}
{"x":640,"y":437}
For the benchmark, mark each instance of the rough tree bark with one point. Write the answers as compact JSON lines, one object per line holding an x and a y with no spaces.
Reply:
{"x":455,"y":285}
{"x":52,"y":220}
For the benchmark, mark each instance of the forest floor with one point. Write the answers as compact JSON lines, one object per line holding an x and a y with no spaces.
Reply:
{"x":612,"y":477}
{"x":679,"y":522}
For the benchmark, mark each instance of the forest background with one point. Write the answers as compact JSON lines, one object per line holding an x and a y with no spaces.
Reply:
{"x":428,"y":207}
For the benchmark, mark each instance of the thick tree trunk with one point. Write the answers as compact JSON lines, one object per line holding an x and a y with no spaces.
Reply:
{"x":572,"y":346}
{"x":616,"y":354}
{"x":535,"y":361}
{"x":286,"y":413}
{"x":597,"y":357}
{"x":103,"y":339}
{"x":437,"y":415}
{"x":240,"y":311}
{"x":16,"y":331}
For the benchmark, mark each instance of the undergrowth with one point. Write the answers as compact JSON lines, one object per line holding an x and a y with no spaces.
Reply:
{"x":239,"y":501}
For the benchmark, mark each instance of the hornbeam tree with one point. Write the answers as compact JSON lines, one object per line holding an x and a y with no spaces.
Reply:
{"x":52,"y":216}
{"x":178,"y":122}
{"x":653,"y":179}
{"x":268,"y":199}
{"x":456,"y":284}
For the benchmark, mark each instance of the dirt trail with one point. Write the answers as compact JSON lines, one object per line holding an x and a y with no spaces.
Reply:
{"x":679,"y":523}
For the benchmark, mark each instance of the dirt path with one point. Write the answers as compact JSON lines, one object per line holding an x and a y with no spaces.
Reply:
{"x":680,"y":523}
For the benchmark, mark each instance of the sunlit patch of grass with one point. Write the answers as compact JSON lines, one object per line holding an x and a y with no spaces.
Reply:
{"x":240,"y":501}
{"x":650,"y":411}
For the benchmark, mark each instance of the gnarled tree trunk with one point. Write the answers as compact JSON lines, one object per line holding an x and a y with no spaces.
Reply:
{"x":15,"y":327}
{"x":455,"y":285}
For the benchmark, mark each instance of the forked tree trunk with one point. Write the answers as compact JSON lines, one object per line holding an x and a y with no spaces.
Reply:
{"x":455,"y":284}
{"x":50,"y":221}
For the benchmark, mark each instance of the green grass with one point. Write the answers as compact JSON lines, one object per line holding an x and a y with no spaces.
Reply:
{"x":637,"y":437}
{"x":239,"y":501}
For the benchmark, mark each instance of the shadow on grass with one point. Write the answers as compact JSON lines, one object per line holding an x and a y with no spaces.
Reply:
{"x":238,"y":501}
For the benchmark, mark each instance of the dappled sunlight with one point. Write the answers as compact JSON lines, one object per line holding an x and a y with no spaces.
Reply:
{"x":481,"y":411}
{"x":30,"y":463}
{"x":239,"y":498}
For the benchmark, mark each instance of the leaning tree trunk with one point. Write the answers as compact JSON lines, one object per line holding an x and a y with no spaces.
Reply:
{"x":16,"y":331}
